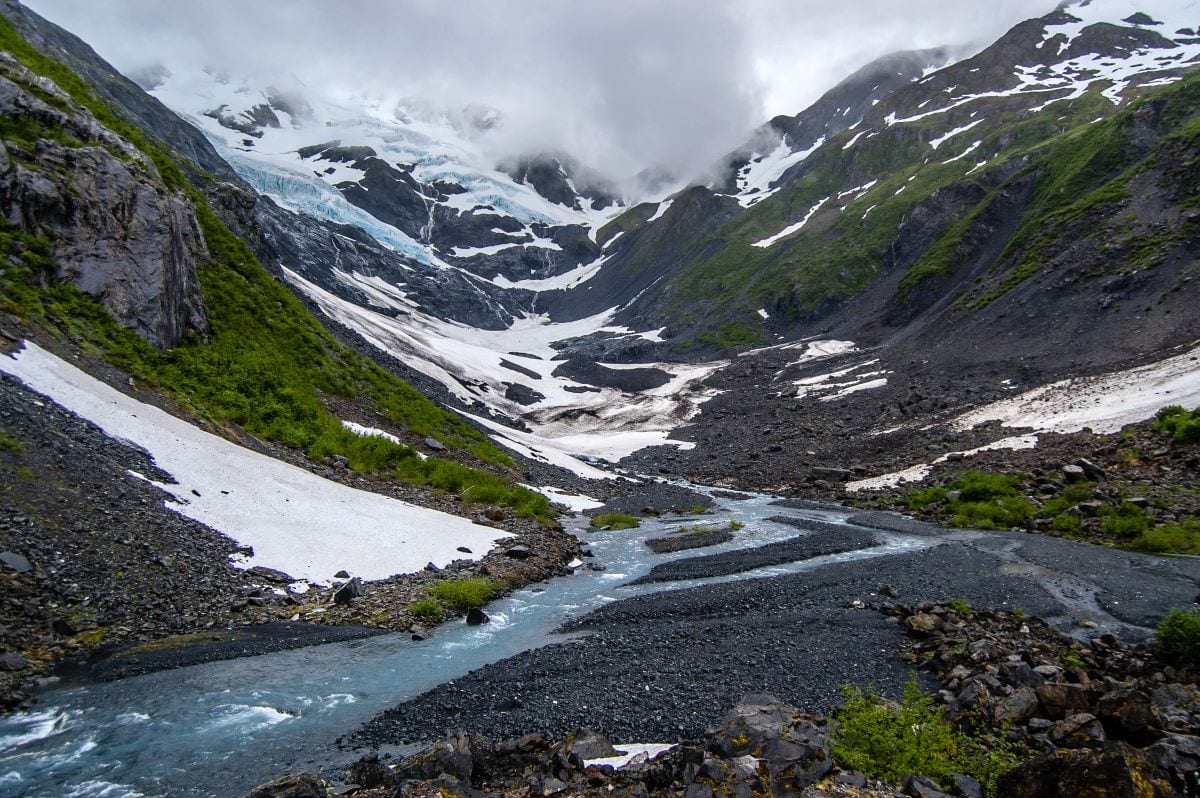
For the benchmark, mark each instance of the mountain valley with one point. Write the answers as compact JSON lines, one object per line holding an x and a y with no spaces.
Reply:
{"x":284,"y":368}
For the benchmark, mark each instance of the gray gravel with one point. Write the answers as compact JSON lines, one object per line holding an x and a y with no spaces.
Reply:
{"x":664,"y":666}
{"x":822,"y":539}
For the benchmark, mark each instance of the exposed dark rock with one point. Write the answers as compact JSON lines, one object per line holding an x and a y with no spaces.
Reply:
{"x":476,"y":617}
{"x":1115,"y":771}
{"x":348,"y":592}
{"x":15,"y":562}
{"x":304,"y":785}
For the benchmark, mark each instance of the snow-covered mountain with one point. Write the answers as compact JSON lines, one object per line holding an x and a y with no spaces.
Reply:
{"x":533,"y":297}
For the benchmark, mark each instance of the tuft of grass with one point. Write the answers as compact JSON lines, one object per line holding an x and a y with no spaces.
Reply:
{"x":426,"y":610}
{"x":1177,"y":637}
{"x":10,"y":444}
{"x":959,"y":604}
{"x":735,"y":525}
{"x":889,"y":741}
{"x":616,"y":521}
{"x":463,"y":594}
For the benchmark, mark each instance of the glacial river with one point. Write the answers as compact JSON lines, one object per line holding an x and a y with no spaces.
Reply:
{"x":220,"y":728}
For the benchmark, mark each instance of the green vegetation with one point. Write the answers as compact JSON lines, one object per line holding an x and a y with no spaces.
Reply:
{"x":731,"y":334}
{"x":735,"y":525}
{"x":1126,"y":520}
{"x":426,"y":610}
{"x":982,"y":501}
{"x":616,"y":521}
{"x":1181,"y":538}
{"x":959,"y":604}
{"x":465,"y":593}
{"x":268,"y":365}
{"x":1181,"y":426}
{"x":10,"y":444}
{"x":1072,"y":659}
{"x":890,"y":742}
{"x":1177,"y":638}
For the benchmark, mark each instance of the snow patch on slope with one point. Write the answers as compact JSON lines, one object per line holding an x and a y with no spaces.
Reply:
{"x":296,"y":521}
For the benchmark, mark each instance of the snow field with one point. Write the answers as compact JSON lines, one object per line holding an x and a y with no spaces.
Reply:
{"x":296,"y":521}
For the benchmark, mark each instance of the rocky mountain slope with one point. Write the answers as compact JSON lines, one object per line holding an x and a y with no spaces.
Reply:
{"x":916,"y":210}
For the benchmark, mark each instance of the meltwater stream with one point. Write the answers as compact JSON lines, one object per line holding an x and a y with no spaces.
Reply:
{"x":222,"y":727}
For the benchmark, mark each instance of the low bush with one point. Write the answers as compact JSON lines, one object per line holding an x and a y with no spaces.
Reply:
{"x":1181,"y":538}
{"x":1125,"y":520}
{"x":1181,"y":425}
{"x":427,"y":610}
{"x":892,"y":741}
{"x":463,"y":594}
{"x":616,"y":521}
{"x":981,"y":500}
{"x":1177,"y":638}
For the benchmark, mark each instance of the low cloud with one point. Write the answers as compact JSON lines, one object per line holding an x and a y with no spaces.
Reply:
{"x":623,"y":85}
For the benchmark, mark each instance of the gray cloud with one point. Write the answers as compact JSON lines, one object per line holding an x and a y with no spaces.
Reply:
{"x":621,"y":84}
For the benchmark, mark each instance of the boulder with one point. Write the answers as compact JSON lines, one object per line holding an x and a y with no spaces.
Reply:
{"x":15,"y":562}
{"x":451,"y":757}
{"x":269,"y":575}
{"x":921,"y":787}
{"x":519,"y":552}
{"x":1059,"y":699}
{"x":12,"y":661}
{"x":476,"y":617}
{"x":1090,"y":469}
{"x":1078,"y":731}
{"x":370,"y":772}
{"x":1128,"y":715}
{"x":1016,"y":708}
{"x":587,"y":744}
{"x":755,"y":719}
{"x":435,"y":444}
{"x":302,"y":785}
{"x":796,"y":760}
{"x":1073,"y":473}
{"x":1116,"y":771}
{"x":348,"y":592}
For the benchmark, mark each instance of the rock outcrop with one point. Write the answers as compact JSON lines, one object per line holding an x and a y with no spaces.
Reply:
{"x":116,"y":231}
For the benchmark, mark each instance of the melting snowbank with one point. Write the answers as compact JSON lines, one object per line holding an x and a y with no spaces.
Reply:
{"x":296,"y":521}
{"x":1105,"y":403}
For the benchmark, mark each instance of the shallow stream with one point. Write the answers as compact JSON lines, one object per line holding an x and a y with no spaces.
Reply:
{"x":220,"y":728}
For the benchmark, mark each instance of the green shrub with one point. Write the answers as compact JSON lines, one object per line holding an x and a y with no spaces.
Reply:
{"x":465,"y":593}
{"x":1070,"y":496}
{"x":888,"y":741}
{"x":1177,"y":638}
{"x":1182,"y":426}
{"x":1126,"y":520}
{"x":426,"y":610}
{"x":1181,"y":538}
{"x":735,"y":525}
{"x":616,"y":521}
{"x":1066,"y":523}
{"x":985,"y":501}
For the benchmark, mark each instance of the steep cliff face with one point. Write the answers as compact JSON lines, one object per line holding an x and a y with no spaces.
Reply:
{"x":116,"y":231}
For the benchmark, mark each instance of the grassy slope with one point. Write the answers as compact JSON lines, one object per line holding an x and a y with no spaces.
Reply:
{"x":268,"y":366}
{"x":1078,"y":167}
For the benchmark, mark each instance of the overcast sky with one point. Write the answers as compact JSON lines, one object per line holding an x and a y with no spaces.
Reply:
{"x":622,"y":84}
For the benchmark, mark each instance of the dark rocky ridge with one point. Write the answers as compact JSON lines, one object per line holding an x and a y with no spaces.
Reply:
{"x":118,"y":233}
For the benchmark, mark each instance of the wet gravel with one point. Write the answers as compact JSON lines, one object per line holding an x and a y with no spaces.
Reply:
{"x":822,"y":539}
{"x":663,"y":666}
